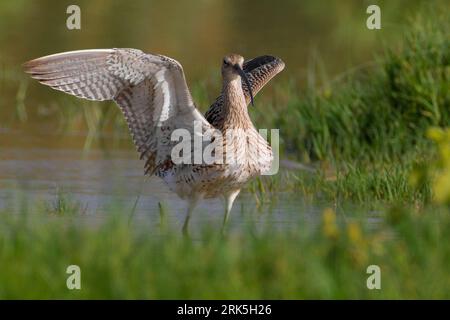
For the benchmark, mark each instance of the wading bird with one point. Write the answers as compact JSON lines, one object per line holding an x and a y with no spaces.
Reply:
{"x":152,"y":93}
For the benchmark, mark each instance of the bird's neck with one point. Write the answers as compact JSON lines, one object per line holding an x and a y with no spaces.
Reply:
{"x":235,"y":106}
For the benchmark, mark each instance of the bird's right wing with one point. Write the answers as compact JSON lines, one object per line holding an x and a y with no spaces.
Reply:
{"x":150,"y":90}
{"x":259,"y":71}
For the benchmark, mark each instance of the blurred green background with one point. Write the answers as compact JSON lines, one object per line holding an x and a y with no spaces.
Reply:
{"x":199,"y":33}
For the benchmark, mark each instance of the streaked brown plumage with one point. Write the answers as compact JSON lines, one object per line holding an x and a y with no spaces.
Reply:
{"x":152,"y":93}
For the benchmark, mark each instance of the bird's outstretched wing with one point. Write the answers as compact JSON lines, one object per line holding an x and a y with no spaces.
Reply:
{"x":150,"y":90}
{"x":259,"y":72}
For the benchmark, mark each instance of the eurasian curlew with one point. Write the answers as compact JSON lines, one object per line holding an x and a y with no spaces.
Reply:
{"x":152,"y":93}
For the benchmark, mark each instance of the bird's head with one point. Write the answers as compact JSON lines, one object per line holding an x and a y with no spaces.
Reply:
{"x":232,"y":69}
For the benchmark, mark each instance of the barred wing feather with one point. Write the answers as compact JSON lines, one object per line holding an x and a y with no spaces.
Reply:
{"x":150,"y":90}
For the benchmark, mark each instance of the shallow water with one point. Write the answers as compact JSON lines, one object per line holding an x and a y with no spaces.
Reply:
{"x":99,"y":180}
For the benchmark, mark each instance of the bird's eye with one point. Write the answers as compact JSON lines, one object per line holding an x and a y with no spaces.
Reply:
{"x":225,"y":62}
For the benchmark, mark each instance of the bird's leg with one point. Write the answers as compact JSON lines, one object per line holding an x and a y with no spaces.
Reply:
{"x":229,"y":200}
{"x":192,"y":203}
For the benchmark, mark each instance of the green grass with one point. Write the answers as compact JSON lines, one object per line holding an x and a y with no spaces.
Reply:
{"x":373,"y":114}
{"x":367,"y":129}
{"x":328,"y":261}
{"x":373,"y":183}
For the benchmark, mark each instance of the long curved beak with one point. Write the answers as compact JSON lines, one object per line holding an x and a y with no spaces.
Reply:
{"x":244,"y":76}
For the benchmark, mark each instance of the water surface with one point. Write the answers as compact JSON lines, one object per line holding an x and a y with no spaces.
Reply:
{"x":101,"y":180}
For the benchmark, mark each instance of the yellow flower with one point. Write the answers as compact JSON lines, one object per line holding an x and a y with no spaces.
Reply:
{"x":438,"y":171}
{"x":330,"y":228}
{"x":435,"y":134}
{"x":354,"y":233}
{"x":441,"y":187}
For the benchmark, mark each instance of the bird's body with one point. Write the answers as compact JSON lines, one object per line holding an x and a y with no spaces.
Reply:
{"x":152,"y":93}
